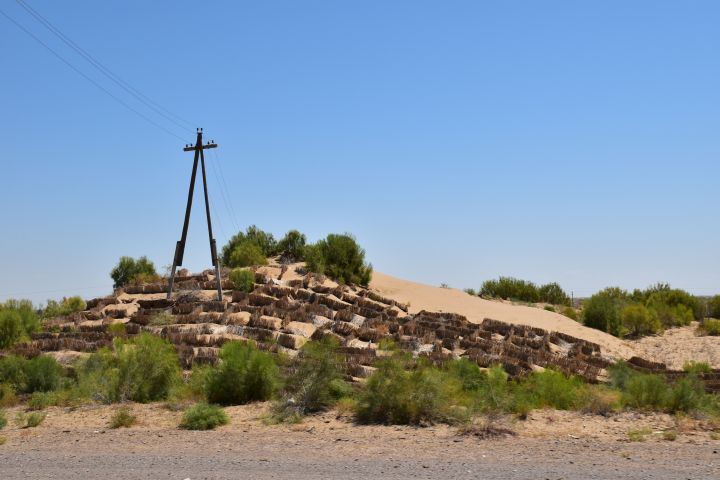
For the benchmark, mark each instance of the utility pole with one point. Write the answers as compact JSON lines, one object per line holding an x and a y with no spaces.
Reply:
{"x":198,"y":148}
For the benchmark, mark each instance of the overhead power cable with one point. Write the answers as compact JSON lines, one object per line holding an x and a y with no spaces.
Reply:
{"x":227,"y":190}
{"x":86,"y":77}
{"x":144,"y":99}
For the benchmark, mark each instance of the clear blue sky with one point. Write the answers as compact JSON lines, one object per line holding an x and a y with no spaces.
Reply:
{"x":570,"y":141}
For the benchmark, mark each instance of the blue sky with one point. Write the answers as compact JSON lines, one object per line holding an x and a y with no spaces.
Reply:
{"x":553,"y":141}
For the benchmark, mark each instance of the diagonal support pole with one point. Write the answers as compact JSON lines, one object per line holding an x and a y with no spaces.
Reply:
{"x":180,"y":245}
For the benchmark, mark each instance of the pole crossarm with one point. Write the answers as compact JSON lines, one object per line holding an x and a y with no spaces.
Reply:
{"x":198,"y":148}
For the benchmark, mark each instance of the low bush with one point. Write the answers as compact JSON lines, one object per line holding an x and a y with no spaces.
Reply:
{"x":204,"y":417}
{"x":470,"y":291}
{"x":600,"y":400}
{"x":30,"y":420}
{"x":292,"y":247}
{"x":117,"y":329}
{"x":711,"y":326}
{"x":245,"y":374}
{"x":639,"y":435}
{"x":123,"y":418}
{"x":396,"y":395}
{"x":3,"y":419}
{"x":570,"y":313}
{"x":549,"y":308}
{"x":161,"y":319}
{"x":603,"y":310}
{"x":510,"y":288}
{"x":243,"y":279}
{"x":129,"y":270}
{"x":697,"y":367}
{"x":551,"y":388}
{"x":495,"y":393}
{"x":340,"y":258}
{"x":714,"y":306}
{"x":7,"y":395}
{"x":638,"y":320}
{"x":40,"y":374}
{"x":143,"y":369}
{"x":553,"y":293}
{"x":18,"y":320}
{"x":248,"y":248}
{"x":66,"y":306}
{"x":314,"y":381}
{"x":645,"y":391}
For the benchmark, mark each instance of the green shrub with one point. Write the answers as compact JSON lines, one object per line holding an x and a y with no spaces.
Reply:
{"x":395,"y":395}
{"x":604,"y":310}
{"x":662,"y":294}
{"x":711,"y":326}
{"x":66,"y":306}
{"x":553,"y":293}
{"x":510,"y":288}
{"x":697,"y":367}
{"x":471,"y":377}
{"x":143,"y":369}
{"x":551,"y":388}
{"x":18,"y":320}
{"x":122,"y":418}
{"x":40,"y":400}
{"x":40,"y":374}
{"x":340,"y":258}
{"x":638,"y":320}
{"x":714,"y":306}
{"x":646,"y":391}
{"x":243,"y":279}
{"x":570,"y":313}
{"x":549,"y":308}
{"x":639,"y":435}
{"x":7,"y":395}
{"x":117,"y":329}
{"x":129,"y":270}
{"x":314,"y":382}
{"x":3,"y":419}
{"x":160,"y":319}
{"x":292,"y":247}
{"x":30,"y":420}
{"x":600,"y":400}
{"x":204,"y":417}
{"x":248,"y":248}
{"x":245,"y":374}
{"x":495,"y":392}
{"x":686,"y":395}
{"x":671,"y":315}
{"x":470,"y":291}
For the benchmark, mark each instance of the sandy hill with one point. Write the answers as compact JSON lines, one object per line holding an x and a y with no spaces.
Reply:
{"x":436,"y":299}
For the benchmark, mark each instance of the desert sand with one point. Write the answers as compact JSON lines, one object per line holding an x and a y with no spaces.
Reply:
{"x":476,"y":309}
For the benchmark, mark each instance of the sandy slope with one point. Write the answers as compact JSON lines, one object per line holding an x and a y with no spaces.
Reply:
{"x":675,"y":346}
{"x":476,"y":309}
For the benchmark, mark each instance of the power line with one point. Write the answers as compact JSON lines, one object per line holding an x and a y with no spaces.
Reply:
{"x":79,"y":72}
{"x":227,"y":190}
{"x":148,"y":102}
{"x":222,"y":193}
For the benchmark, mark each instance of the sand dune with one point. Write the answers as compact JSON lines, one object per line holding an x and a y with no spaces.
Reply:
{"x":476,"y":309}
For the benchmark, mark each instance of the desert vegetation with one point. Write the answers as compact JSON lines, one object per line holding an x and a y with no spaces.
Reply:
{"x":18,"y":320}
{"x":509,"y":288}
{"x":340,"y":258}
{"x":642,"y":312}
{"x":130,"y":270}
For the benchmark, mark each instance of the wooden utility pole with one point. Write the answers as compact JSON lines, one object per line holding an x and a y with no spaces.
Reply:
{"x":198,"y":148}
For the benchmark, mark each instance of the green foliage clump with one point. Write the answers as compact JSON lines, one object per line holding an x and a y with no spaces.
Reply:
{"x":549,"y":308}
{"x":570,"y":313}
{"x":340,"y":258}
{"x":245,"y":374}
{"x":39,"y":374}
{"x":204,"y":417}
{"x":117,"y":329}
{"x":18,"y":320}
{"x":314,"y":382}
{"x":711,"y":327}
{"x":143,"y":369}
{"x":470,"y":291}
{"x":638,"y":320}
{"x":714,"y":306}
{"x":551,"y":388}
{"x":3,"y":419}
{"x":243,"y":279}
{"x":510,"y":288}
{"x":395,"y":394}
{"x":30,"y":420}
{"x":129,"y":270}
{"x":553,"y":293}
{"x":697,"y":367}
{"x":603,"y":310}
{"x":677,"y":302}
{"x":646,"y":391}
{"x":292,"y":247}
{"x":123,"y":418}
{"x":248,"y":248}
{"x":66,"y":306}
{"x":7,"y":395}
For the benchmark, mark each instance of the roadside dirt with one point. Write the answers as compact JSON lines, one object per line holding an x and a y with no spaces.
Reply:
{"x":549,"y":444}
